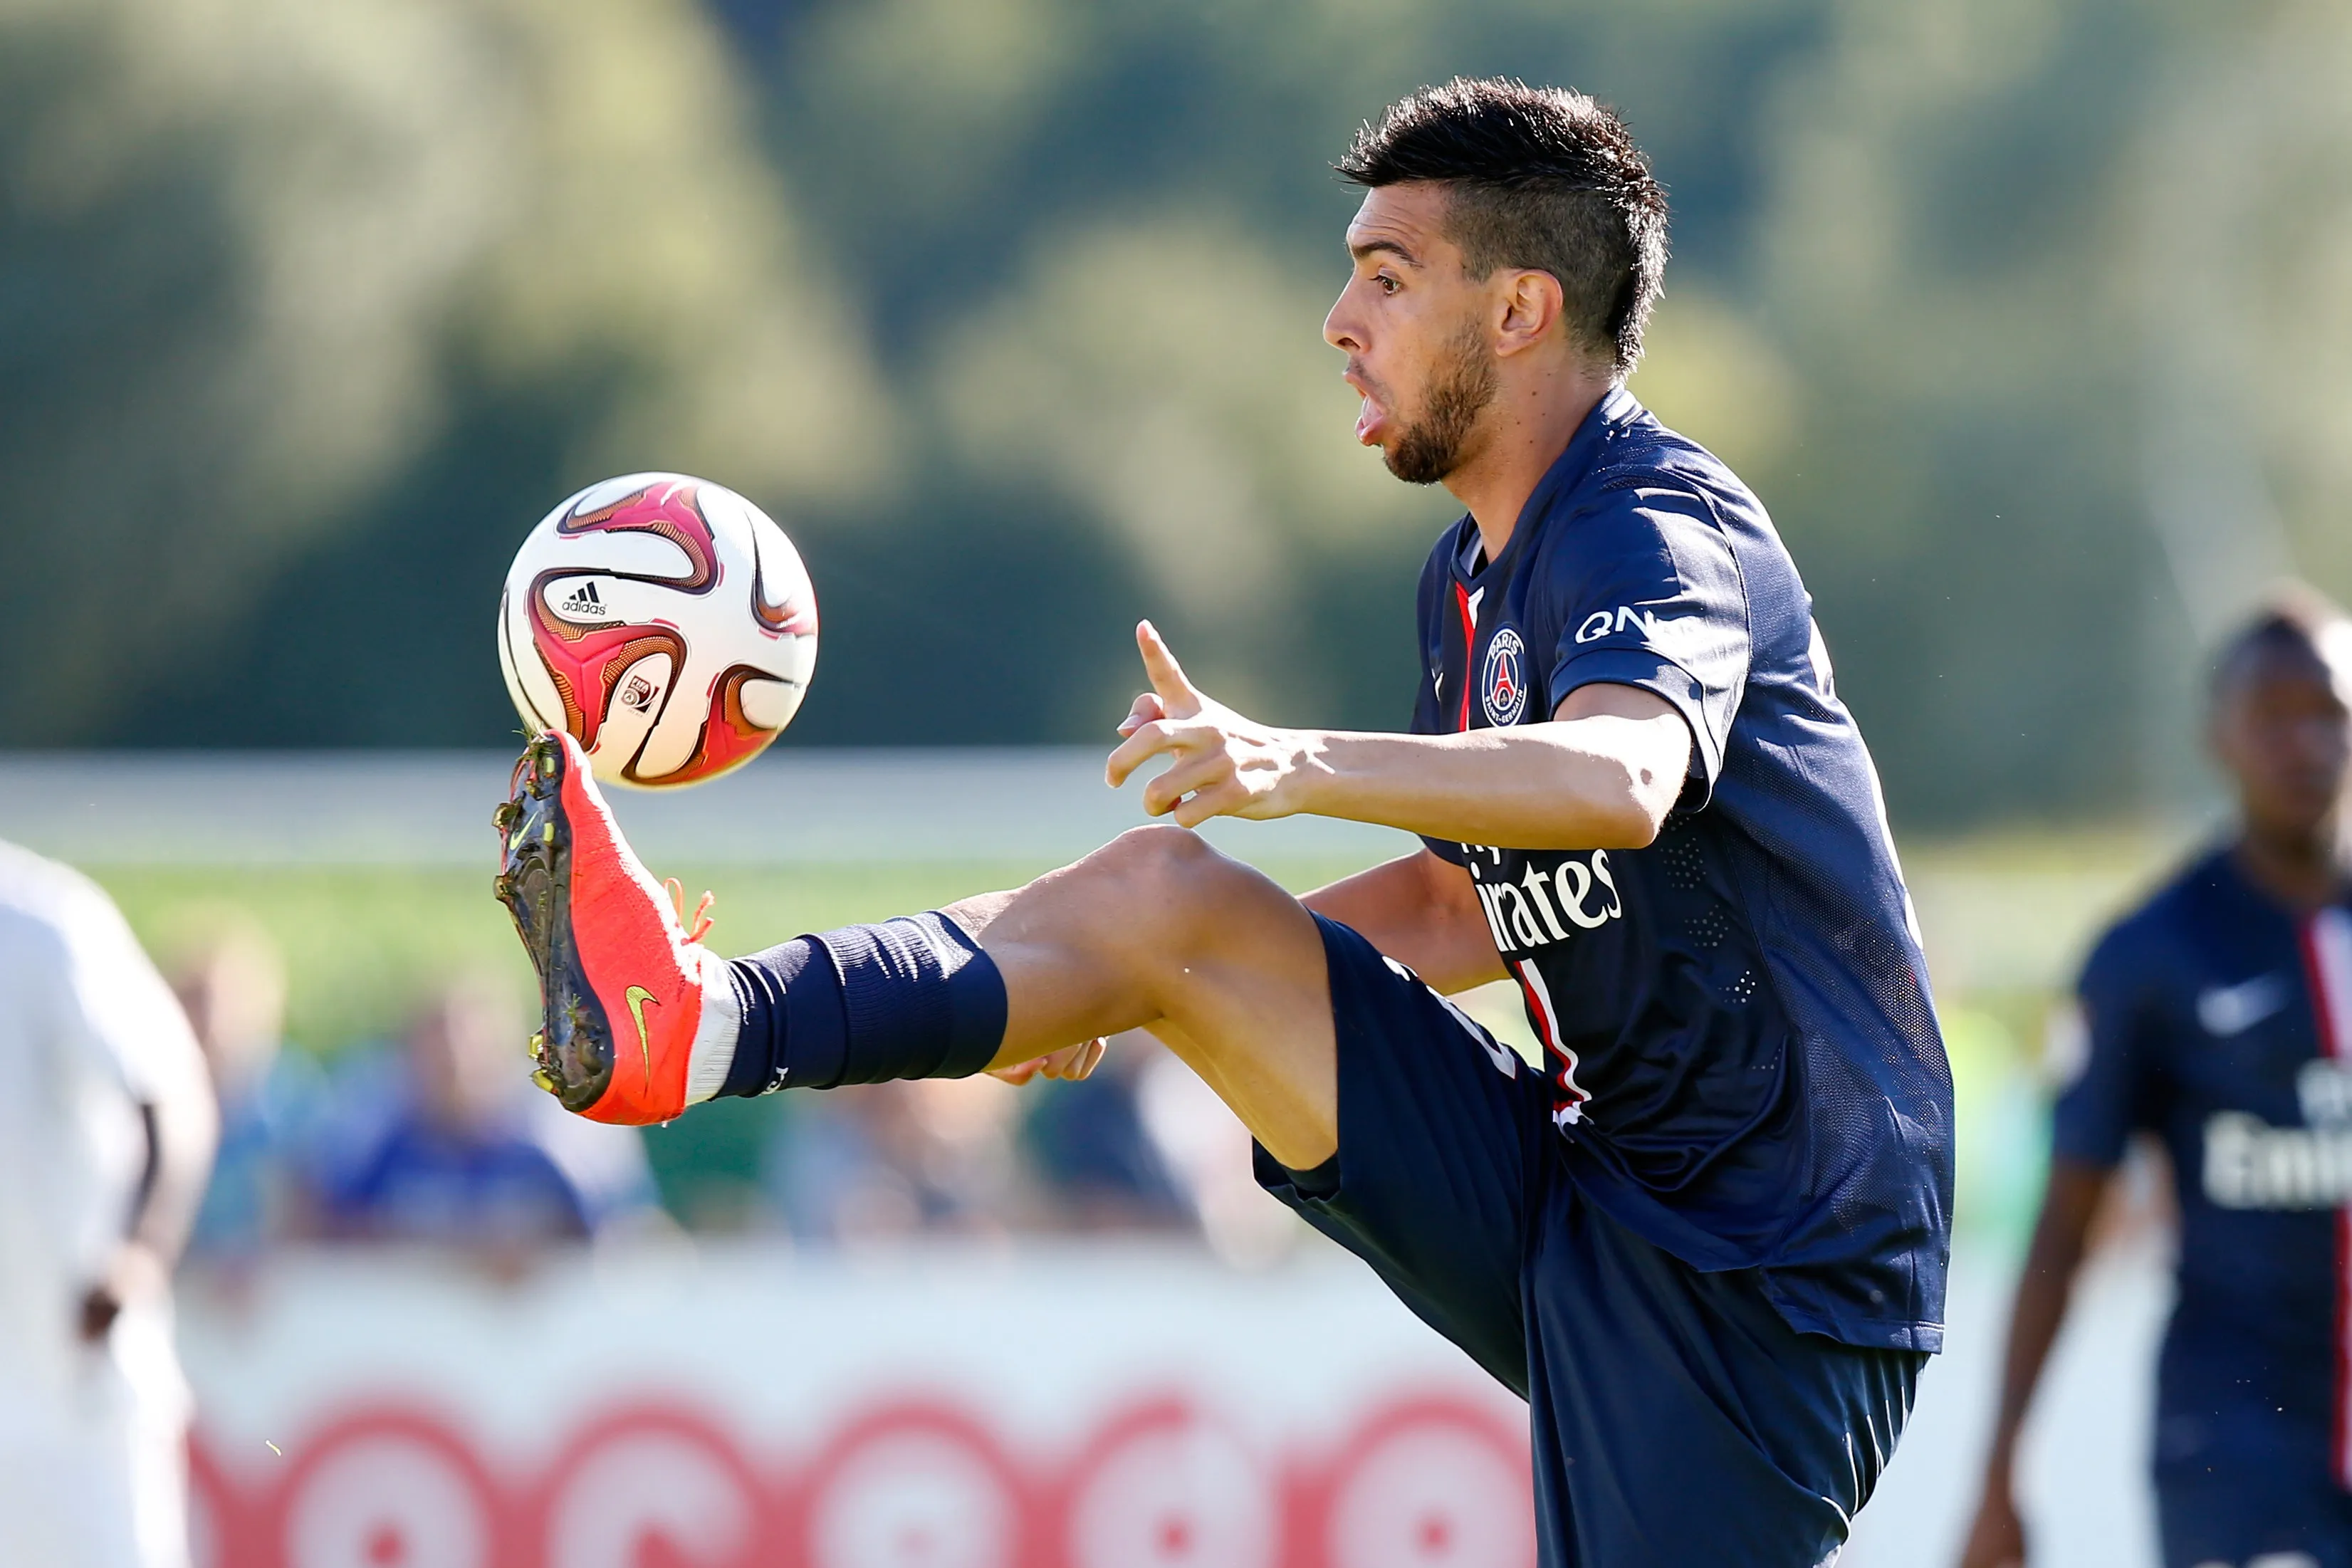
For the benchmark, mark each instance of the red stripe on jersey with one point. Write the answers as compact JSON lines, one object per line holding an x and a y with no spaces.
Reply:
{"x":2327,"y":963}
{"x":1469,"y":650}
{"x":1569,"y":1107}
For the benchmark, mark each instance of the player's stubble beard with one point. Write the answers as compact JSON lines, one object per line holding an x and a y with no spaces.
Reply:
{"x":1455,"y":393}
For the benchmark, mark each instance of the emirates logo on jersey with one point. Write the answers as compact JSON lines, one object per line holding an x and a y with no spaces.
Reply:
{"x":1503,"y":678}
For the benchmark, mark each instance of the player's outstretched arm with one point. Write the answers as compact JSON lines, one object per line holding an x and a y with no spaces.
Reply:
{"x":1603,"y":775}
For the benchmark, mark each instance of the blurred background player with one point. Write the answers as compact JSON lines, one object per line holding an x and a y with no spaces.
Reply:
{"x":1110,"y":1163}
{"x":439,"y":1143}
{"x":105,"y":1134}
{"x":2218,"y":1018}
{"x":883,"y":1162}
{"x":233,"y":987}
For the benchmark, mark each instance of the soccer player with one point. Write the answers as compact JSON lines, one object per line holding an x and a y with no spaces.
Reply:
{"x":106,"y":1134}
{"x":2218,"y":1018}
{"x":1707,"y":1240}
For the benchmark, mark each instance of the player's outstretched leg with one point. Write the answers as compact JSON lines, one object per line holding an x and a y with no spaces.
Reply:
{"x":1155,"y":929}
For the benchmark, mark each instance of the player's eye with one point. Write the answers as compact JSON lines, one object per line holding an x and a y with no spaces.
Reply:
{"x":1388,"y":285}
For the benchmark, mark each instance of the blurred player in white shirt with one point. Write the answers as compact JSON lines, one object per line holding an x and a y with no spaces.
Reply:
{"x":106,"y":1134}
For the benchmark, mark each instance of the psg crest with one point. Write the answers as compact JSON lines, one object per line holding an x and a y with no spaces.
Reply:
{"x":1503,"y":678}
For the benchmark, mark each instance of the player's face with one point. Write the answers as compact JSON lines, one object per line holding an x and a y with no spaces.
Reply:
{"x":2282,"y":728}
{"x":1413,"y":325}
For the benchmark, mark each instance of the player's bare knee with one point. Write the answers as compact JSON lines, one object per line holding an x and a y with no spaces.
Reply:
{"x":1170,"y":884}
{"x":1161,"y":856}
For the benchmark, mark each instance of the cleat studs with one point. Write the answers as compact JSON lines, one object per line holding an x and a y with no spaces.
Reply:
{"x":546,"y":1080}
{"x":506,"y":815}
{"x":536,"y":1047}
{"x":547,"y":831}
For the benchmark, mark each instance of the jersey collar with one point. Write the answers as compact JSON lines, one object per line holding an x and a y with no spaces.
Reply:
{"x":1616,"y":409}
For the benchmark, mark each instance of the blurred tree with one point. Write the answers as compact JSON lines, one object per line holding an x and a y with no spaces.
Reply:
{"x":2024,"y":317}
{"x":265,"y":261}
{"x":1938,"y":264}
{"x":2051,"y":277}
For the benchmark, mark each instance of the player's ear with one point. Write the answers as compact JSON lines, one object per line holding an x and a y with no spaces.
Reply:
{"x":1529,"y":308}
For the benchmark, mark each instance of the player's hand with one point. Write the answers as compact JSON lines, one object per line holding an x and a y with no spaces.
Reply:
{"x":1071,"y":1063}
{"x":1225,"y":765}
{"x":133,"y":1274}
{"x":1996,"y":1540}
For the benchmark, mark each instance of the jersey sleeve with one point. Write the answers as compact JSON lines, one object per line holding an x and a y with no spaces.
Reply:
{"x":2102,"y":1054}
{"x":116,"y":1008}
{"x":1649,"y":595}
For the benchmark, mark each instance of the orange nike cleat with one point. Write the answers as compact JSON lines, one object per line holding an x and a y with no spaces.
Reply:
{"x":639,"y":1018}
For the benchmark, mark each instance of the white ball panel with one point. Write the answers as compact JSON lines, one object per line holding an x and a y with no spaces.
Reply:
{"x":771,"y":704}
{"x":528,"y":682}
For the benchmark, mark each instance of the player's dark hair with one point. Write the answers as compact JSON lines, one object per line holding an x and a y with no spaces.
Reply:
{"x":2294,"y":620}
{"x":1542,"y":178}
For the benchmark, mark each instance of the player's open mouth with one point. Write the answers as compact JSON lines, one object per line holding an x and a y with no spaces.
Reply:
{"x":1370,"y":417}
{"x":573,"y":1047}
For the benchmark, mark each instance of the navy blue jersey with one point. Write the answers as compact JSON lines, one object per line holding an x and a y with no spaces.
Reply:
{"x":2221,"y":1021}
{"x":1743,"y":1053}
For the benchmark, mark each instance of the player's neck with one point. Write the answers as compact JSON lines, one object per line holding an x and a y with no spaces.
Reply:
{"x":1532,"y":423}
{"x":2302,"y":871}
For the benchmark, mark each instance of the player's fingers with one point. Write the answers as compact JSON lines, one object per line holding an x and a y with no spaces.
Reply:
{"x":1146,"y":708}
{"x":1215,"y":801}
{"x":1167,"y":675}
{"x":1149,"y":738}
{"x":1018,"y":1073}
{"x":1074,"y":1062}
{"x":1195,"y":769}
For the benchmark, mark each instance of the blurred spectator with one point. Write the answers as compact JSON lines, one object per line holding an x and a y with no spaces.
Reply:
{"x":448,"y":1143}
{"x":105,"y":1132}
{"x":878,"y":1161}
{"x":234,"y":989}
{"x":1087,"y":1140}
{"x":1209,"y":1151}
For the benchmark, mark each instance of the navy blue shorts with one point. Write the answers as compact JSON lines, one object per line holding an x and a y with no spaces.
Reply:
{"x":1677,"y":1419}
{"x":2254,"y":1494}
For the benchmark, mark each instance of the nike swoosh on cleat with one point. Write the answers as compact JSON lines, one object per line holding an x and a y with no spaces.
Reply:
{"x":638,"y":997}
{"x":2227,"y":1010}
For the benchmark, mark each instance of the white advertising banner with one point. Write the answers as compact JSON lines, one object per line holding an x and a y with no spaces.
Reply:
{"x":1107,"y":1404}
{"x":1093,"y":1405}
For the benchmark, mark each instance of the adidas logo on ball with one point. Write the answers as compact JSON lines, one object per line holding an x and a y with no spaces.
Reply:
{"x":584,"y":601}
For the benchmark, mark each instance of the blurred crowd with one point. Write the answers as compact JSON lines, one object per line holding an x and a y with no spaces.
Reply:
{"x":157,"y":1115}
{"x":437,"y":1137}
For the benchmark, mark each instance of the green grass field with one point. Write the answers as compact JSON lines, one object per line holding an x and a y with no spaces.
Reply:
{"x":361,"y":944}
{"x":2006,"y":918}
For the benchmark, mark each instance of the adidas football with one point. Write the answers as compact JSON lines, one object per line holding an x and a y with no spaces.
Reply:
{"x":665,"y":622}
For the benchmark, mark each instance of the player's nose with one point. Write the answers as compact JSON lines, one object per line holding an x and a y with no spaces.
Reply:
{"x":1340,"y":329}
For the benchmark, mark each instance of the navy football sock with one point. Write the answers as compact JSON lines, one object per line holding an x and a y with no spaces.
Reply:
{"x":913,"y":997}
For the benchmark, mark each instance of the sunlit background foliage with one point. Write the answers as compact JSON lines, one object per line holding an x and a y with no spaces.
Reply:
{"x":2027,"y":319}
